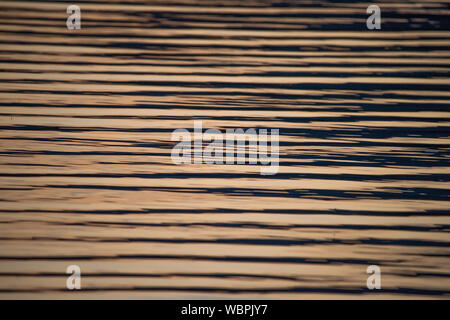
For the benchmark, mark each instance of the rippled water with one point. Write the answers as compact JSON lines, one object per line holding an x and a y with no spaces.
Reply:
{"x":85,"y":140}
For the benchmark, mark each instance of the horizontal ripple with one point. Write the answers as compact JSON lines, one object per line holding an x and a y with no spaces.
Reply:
{"x":86,"y":176}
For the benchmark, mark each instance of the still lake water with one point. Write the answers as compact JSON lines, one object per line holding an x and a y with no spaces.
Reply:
{"x":86,"y":176}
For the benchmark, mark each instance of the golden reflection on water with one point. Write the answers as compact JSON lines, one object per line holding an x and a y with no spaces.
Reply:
{"x":86,"y":177}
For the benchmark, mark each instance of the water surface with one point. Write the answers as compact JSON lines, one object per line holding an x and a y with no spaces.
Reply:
{"x":86,"y":176}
